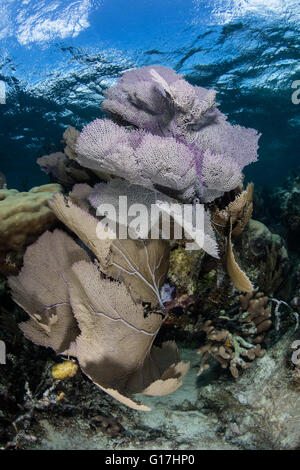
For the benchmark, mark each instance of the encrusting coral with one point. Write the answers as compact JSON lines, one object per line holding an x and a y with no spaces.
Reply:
{"x":184,"y":269}
{"x":102,"y":300}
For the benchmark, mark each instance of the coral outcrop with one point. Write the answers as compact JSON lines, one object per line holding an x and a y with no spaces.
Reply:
{"x":24,"y":217}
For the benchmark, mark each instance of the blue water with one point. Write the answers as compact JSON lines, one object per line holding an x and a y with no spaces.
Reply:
{"x":57,"y":57}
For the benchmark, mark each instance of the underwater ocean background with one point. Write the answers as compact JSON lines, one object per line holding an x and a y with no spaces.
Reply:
{"x":57,"y":57}
{"x":233,"y":307}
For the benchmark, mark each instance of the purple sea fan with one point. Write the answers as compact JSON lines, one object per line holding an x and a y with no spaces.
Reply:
{"x":220,"y":174}
{"x":160,"y":101}
{"x":183,"y":145}
{"x":194,"y":108}
{"x":139,"y":157}
{"x":236,"y":142}
{"x":105,"y":146}
{"x":166,"y":162}
{"x":139,"y":100}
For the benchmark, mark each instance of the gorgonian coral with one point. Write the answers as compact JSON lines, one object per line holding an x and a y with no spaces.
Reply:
{"x":180,"y":141}
{"x":95,"y":311}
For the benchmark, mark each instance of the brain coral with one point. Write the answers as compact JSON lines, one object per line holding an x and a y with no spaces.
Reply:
{"x":24,"y":217}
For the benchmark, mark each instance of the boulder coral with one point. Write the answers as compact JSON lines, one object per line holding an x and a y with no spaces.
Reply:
{"x":24,"y":217}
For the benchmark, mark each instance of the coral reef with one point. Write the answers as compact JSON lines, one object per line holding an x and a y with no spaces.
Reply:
{"x":181,"y":145}
{"x":259,"y":411}
{"x":204,"y":278}
{"x":204,"y":282}
{"x":107,"y":301}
